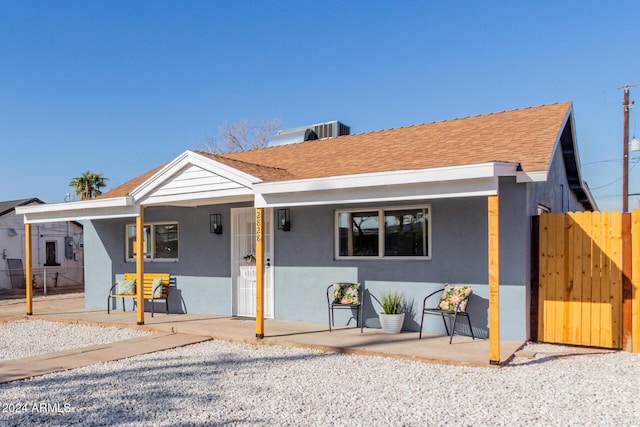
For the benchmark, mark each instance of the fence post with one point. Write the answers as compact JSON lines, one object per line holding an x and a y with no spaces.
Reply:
{"x":535,"y":277}
{"x":627,"y":287}
{"x":635,"y":277}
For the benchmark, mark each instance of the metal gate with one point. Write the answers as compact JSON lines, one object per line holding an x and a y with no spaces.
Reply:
{"x":580,"y":279}
{"x":16,"y":273}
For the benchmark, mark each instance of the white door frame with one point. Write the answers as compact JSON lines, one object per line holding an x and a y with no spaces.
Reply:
{"x":242,"y":242}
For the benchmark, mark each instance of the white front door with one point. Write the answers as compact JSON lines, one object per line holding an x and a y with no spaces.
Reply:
{"x":243,"y":243}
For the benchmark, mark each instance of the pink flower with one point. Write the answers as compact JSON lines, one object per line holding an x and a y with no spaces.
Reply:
{"x":455,"y":299}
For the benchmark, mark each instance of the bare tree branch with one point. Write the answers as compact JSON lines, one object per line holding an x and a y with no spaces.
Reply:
{"x":241,"y":135}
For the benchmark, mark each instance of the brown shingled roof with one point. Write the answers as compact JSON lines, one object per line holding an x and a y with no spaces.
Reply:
{"x":526,"y":136}
{"x":129,"y":186}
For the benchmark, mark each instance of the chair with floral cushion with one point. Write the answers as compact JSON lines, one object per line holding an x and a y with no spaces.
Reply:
{"x":345,"y":296}
{"x":453,"y":303}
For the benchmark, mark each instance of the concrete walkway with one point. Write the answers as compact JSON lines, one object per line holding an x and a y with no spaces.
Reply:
{"x":28,"y":367}
{"x":174,"y":330}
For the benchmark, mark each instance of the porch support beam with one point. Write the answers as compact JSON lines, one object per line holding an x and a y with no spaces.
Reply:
{"x":28,"y":268}
{"x":494,"y":279}
{"x":260,"y":273}
{"x":140,"y":265}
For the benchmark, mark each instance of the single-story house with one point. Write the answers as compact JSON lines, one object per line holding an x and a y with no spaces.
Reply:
{"x":57,"y":249}
{"x":409,"y":208}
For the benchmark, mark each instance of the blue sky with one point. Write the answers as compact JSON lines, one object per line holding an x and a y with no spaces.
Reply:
{"x":119,"y":87}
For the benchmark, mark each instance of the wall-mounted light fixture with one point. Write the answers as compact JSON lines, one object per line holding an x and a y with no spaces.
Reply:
{"x":215,"y":225}
{"x":284,"y":219}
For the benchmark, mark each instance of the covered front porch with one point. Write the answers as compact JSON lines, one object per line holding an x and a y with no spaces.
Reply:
{"x":431,"y":348}
{"x":187,"y":192}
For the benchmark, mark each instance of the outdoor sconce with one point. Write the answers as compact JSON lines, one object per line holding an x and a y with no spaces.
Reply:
{"x":284,"y":219}
{"x":215,"y":223}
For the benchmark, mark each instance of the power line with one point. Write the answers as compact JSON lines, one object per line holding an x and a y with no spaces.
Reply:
{"x":616,"y":180}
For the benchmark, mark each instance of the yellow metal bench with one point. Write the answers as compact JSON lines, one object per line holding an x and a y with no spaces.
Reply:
{"x":149,"y":293}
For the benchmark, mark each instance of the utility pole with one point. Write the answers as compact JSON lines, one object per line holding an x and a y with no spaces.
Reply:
{"x":625,"y":155}
{"x":627,"y":253}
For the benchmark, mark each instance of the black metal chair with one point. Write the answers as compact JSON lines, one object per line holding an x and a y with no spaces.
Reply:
{"x":452,"y":303}
{"x":342,"y":296}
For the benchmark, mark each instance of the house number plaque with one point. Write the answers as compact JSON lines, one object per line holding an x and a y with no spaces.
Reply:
{"x":258,"y":225}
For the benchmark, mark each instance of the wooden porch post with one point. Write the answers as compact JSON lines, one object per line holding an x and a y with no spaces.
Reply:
{"x":260,"y":273}
{"x":140,"y":264}
{"x":29,"y":269}
{"x":494,"y":279}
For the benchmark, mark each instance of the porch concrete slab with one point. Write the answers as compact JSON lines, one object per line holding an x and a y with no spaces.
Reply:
{"x":29,"y":367}
{"x":431,"y":348}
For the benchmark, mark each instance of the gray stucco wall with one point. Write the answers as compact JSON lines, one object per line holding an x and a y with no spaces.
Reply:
{"x":203,"y":282}
{"x":305,"y":264}
{"x":554,"y":193}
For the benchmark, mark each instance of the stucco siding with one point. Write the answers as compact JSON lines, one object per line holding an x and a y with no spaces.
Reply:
{"x":100,"y":238}
{"x":300,"y":292}
{"x":555,"y":192}
{"x":64,"y":272}
{"x":304,"y":262}
{"x":202,"y":272}
{"x":201,"y":295}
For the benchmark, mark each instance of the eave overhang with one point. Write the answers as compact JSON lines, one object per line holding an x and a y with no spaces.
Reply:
{"x":445,"y":182}
{"x":188,"y":180}
{"x":117,"y":207}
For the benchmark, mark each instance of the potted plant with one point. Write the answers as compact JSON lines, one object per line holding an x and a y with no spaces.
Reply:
{"x":392,"y":317}
{"x":248,"y":271}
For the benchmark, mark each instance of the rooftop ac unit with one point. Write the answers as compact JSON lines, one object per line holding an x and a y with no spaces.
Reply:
{"x":331,"y":129}
{"x":311,"y":132}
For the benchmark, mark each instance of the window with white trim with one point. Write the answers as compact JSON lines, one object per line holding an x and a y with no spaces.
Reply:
{"x":395,"y":233}
{"x":160,"y":241}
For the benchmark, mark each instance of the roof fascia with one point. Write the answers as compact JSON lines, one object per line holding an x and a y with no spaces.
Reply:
{"x":341,"y":182}
{"x":452,"y":181}
{"x":205,"y":198}
{"x":388,"y":193}
{"x":191,"y":158}
{"x":535,"y":176}
{"x":115,"y":207}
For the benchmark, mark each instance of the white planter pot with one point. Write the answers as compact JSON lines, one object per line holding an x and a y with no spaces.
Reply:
{"x":248,"y":272}
{"x":391,"y":323}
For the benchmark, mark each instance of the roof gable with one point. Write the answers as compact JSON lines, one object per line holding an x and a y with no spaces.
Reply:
{"x":192,"y":177}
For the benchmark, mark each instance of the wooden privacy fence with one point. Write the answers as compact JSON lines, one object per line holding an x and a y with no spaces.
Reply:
{"x":586,"y":290}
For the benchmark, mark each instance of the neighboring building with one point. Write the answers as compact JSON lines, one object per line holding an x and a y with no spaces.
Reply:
{"x":401,"y":208}
{"x":57,"y":247}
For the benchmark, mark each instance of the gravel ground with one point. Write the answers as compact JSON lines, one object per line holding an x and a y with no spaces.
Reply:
{"x":26,"y":338}
{"x":229,"y":383}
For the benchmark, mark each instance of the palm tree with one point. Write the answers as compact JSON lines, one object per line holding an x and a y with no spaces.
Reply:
{"x":88,"y":185}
